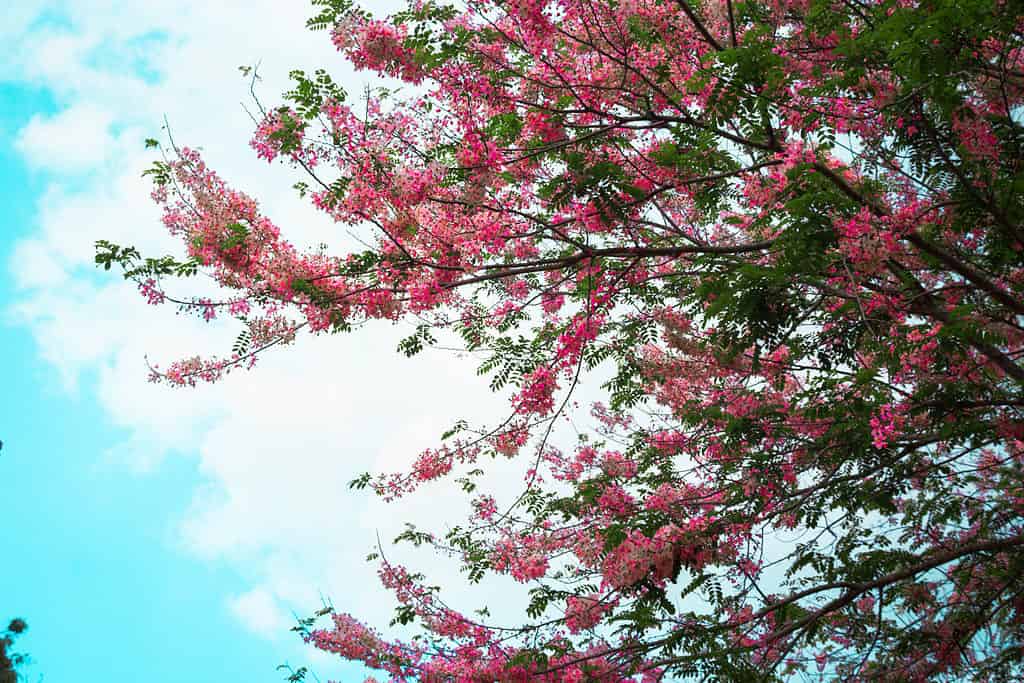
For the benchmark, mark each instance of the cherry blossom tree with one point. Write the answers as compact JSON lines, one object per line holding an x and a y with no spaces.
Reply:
{"x":792,"y":229}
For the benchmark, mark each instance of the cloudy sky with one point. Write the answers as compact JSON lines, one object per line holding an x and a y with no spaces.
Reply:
{"x":157,"y":534}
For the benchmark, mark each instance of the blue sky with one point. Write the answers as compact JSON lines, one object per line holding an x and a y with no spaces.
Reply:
{"x":153,"y":534}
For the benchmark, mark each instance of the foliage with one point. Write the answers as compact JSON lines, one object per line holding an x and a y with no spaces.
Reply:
{"x":11,"y":661}
{"x":792,"y":228}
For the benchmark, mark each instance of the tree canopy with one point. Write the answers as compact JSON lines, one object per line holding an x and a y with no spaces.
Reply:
{"x":792,"y":229}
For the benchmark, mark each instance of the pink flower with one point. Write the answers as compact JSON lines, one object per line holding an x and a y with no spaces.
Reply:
{"x":884,"y":425}
{"x":537,"y":394}
{"x":584,"y":612}
{"x":152,"y":293}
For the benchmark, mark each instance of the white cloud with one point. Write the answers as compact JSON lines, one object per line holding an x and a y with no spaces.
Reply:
{"x":76,"y":139}
{"x":37,"y":265}
{"x":259,"y":612}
